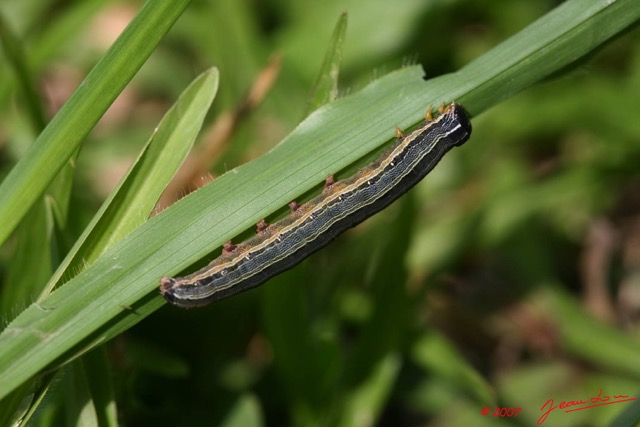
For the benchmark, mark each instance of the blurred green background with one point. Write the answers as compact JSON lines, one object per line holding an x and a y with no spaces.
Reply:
{"x":509,"y":277}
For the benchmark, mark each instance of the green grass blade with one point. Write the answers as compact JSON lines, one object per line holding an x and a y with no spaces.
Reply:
{"x":96,"y":369}
{"x":135,"y":197}
{"x":325,"y":88}
{"x":43,"y":224}
{"x":64,"y":134}
{"x":120,"y":288}
{"x":130,"y":203}
{"x":550,"y":45}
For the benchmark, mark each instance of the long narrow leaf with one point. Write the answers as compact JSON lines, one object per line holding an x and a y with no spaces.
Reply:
{"x":64,"y":134}
{"x":131,"y":202}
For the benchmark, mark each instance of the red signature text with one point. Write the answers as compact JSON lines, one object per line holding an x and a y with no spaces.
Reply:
{"x":578,"y":405}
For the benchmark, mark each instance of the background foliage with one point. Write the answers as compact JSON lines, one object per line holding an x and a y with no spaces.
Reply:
{"x":507,"y":278}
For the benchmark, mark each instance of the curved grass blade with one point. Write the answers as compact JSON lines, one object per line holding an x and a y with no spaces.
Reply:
{"x":325,"y":88}
{"x":130,"y":204}
{"x":66,"y":131}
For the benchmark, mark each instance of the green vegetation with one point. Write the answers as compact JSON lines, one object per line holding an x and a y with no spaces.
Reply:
{"x":507,"y":278}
